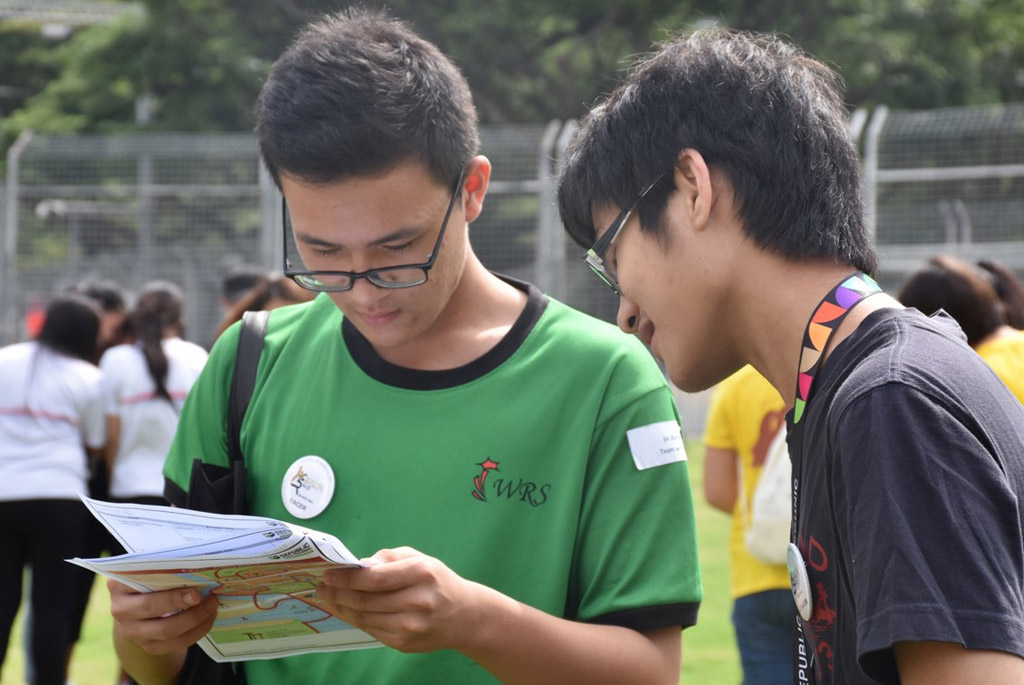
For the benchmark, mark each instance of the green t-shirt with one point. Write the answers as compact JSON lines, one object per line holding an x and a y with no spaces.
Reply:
{"x":565,"y":521}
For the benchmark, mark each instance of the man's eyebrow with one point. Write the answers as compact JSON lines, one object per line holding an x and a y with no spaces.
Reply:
{"x":400,"y":234}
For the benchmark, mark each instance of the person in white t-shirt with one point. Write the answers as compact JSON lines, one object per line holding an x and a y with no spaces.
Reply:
{"x":50,"y":416}
{"x":144,"y":386}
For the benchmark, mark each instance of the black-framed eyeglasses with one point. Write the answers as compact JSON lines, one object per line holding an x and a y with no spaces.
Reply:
{"x":595,"y":255}
{"x":399,"y":276}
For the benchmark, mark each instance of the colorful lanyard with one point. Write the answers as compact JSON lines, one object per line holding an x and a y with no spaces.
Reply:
{"x":830,"y":312}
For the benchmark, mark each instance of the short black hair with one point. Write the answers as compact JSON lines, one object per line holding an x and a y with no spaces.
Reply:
{"x":963,"y":292}
{"x":759,"y":111}
{"x":72,"y":326}
{"x":106,"y":293}
{"x":359,"y":93}
{"x":240,"y":280}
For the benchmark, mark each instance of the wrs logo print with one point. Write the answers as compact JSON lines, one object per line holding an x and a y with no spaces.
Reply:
{"x":527,"y":491}
{"x":479,"y":481}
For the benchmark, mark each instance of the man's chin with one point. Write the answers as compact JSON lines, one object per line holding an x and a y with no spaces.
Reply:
{"x":379,"y":337}
{"x":689,"y":384}
{"x":691,"y":380}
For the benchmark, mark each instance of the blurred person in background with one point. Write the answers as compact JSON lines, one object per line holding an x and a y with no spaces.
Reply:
{"x":34,"y":318}
{"x":1009,"y":288}
{"x":745,"y":416}
{"x":963,"y":292}
{"x":145,"y":384}
{"x":111,"y":299}
{"x":275,"y":290}
{"x":51,"y":415}
{"x":238,"y":282}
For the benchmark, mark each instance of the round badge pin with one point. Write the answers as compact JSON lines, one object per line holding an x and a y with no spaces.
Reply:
{"x":799,"y":582}
{"x":308,"y":487}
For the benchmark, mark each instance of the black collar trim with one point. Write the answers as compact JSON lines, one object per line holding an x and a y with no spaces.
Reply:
{"x":416,"y":379}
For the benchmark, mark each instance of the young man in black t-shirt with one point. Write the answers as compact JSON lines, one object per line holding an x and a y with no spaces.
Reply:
{"x":718,"y":192}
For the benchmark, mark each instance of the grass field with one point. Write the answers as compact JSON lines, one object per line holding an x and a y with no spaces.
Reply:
{"x":709,"y":651}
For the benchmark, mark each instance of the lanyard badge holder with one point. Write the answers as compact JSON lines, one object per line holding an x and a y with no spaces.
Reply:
{"x":823,"y":323}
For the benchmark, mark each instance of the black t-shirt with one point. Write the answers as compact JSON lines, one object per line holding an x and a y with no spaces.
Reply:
{"x":908,"y":471}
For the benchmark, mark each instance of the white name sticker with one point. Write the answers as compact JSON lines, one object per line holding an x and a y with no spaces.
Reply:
{"x":656,"y":444}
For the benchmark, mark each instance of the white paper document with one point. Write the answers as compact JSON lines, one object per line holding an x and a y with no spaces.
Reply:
{"x":263,"y":571}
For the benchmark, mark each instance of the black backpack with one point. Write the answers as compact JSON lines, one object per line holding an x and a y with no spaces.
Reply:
{"x":221,"y":490}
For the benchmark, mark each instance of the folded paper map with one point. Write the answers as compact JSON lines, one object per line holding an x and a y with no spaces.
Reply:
{"x":263,"y":571}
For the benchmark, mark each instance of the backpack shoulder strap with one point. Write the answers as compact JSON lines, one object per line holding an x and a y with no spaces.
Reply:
{"x":247,"y":361}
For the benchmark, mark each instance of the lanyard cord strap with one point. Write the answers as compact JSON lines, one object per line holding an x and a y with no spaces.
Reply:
{"x":826,"y":318}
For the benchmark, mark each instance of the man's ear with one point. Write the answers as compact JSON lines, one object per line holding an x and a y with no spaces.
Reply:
{"x":693,"y":182}
{"x":474,"y":186}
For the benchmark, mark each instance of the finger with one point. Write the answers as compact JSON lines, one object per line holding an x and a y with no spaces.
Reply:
{"x":406,"y":632}
{"x":389,"y":576}
{"x":166,"y":634}
{"x":368,"y":621}
{"x":127,"y":603}
{"x":407,"y":599}
{"x":116,"y":588}
{"x":177,"y":632}
{"x":396,"y":554}
{"x":343,"y":604}
{"x":196,"y":634}
{"x":383,"y":556}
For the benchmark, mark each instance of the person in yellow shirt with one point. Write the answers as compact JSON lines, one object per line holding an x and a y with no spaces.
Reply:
{"x":744,"y":417}
{"x":963,"y":292}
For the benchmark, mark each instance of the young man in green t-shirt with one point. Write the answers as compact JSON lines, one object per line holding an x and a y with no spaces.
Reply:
{"x":514,"y":467}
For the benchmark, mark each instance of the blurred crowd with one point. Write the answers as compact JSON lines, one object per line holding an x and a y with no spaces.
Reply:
{"x":89,"y":405}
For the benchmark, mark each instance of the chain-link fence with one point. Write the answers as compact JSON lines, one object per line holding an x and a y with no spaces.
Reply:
{"x":187,"y":208}
{"x":181,"y":208}
{"x":945,"y":181}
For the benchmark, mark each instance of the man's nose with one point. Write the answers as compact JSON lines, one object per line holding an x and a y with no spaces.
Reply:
{"x":364,"y":292}
{"x":628,"y":315}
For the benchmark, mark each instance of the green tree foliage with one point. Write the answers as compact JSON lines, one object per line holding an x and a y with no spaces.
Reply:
{"x":202,"y":61}
{"x":187,"y":56}
{"x":26,"y":62}
{"x":908,"y":54}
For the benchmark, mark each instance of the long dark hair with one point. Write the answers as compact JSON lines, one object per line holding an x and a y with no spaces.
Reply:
{"x":1009,"y":288}
{"x":157,"y":314}
{"x":71,"y":327}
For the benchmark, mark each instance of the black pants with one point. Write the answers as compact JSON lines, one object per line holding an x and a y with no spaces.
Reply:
{"x":43,"y":533}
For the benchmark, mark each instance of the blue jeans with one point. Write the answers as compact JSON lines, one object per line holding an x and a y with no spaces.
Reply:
{"x":764,"y":632}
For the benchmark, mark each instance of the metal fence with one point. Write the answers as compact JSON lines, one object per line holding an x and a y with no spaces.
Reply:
{"x":187,"y":208}
{"x":181,"y":208}
{"x":945,"y":181}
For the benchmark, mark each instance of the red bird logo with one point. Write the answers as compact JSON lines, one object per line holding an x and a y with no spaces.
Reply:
{"x":478,"y":481}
